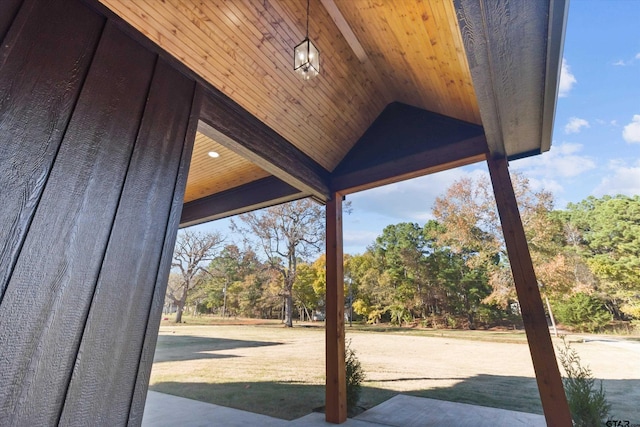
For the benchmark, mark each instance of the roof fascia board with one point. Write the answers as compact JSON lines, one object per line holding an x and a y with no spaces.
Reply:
{"x":258,"y":194}
{"x":558,"y":13}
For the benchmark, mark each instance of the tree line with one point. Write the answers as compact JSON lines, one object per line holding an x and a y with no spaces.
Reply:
{"x":452,"y":271}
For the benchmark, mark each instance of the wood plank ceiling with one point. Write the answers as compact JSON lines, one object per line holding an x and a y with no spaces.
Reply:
{"x":412,"y":52}
{"x":209,"y":175}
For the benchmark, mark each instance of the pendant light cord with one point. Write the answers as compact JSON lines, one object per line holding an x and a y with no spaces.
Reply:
{"x":307,"y":18}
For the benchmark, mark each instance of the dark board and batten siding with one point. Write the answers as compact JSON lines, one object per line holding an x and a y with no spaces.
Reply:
{"x":31,"y":89}
{"x":8,"y":10}
{"x":95,"y":141}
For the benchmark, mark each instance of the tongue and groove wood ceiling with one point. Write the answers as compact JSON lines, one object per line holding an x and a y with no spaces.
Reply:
{"x":407,"y":51}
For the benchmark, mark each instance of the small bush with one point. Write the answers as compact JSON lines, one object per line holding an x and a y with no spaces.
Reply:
{"x":489,"y":314}
{"x":432,"y":321}
{"x":587,"y":403}
{"x":451,"y":321}
{"x":398,"y":314}
{"x":584,"y":312}
{"x":355,"y":377}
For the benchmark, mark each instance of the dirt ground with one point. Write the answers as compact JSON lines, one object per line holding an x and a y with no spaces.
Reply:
{"x":280,"y":372}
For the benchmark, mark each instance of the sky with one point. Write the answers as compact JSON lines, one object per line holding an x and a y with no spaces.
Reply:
{"x":595,"y":148}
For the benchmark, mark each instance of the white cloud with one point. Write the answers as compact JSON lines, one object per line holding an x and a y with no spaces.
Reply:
{"x":358,"y":239}
{"x":567,"y":80}
{"x":631,"y":132}
{"x":575,"y":125}
{"x":602,"y":122}
{"x":406,"y":201}
{"x":545,"y":184}
{"x":410,"y":200}
{"x":623,"y":63}
{"x":550,"y":171}
{"x":561,"y":161}
{"x":622,"y":179}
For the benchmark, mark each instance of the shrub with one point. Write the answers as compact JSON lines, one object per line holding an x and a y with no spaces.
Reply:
{"x":451,"y":321}
{"x":587,"y":403}
{"x":355,"y":377}
{"x":399,"y":314}
{"x":375,"y":315}
{"x":584,"y":312}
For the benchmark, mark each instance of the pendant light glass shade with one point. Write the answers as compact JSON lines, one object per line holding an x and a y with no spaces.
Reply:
{"x":306,"y":59}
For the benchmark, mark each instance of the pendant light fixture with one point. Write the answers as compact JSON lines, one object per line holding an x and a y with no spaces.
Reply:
{"x":306,"y":57}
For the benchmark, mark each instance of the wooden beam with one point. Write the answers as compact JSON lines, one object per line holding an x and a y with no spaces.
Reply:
{"x":345,"y":30}
{"x":424,"y":163}
{"x":554,"y":401}
{"x":244,"y":198}
{"x":224,"y":121}
{"x":352,"y":40}
{"x":405,"y":142}
{"x":336,"y":386}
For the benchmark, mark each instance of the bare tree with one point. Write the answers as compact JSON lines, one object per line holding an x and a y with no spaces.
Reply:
{"x":171,"y":298}
{"x":193,"y":251}
{"x":286,"y":233}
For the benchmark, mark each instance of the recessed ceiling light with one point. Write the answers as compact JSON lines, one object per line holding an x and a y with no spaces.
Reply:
{"x":213,"y":154}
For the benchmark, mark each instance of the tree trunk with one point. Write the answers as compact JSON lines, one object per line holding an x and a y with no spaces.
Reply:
{"x":288,"y":311}
{"x":288,"y":299}
{"x":472,"y":320}
{"x":181,"y":303}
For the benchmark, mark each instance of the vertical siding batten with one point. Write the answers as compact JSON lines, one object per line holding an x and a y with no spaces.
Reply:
{"x":154,"y":314}
{"x":118,"y":316}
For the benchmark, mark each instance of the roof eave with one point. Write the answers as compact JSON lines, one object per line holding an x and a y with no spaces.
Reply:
{"x":514,"y":51}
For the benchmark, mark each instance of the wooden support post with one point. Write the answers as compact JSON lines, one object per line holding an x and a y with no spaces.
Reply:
{"x":336,"y":386}
{"x":554,"y":401}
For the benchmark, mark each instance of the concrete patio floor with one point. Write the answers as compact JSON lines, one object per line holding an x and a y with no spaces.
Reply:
{"x":400,"y":411}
